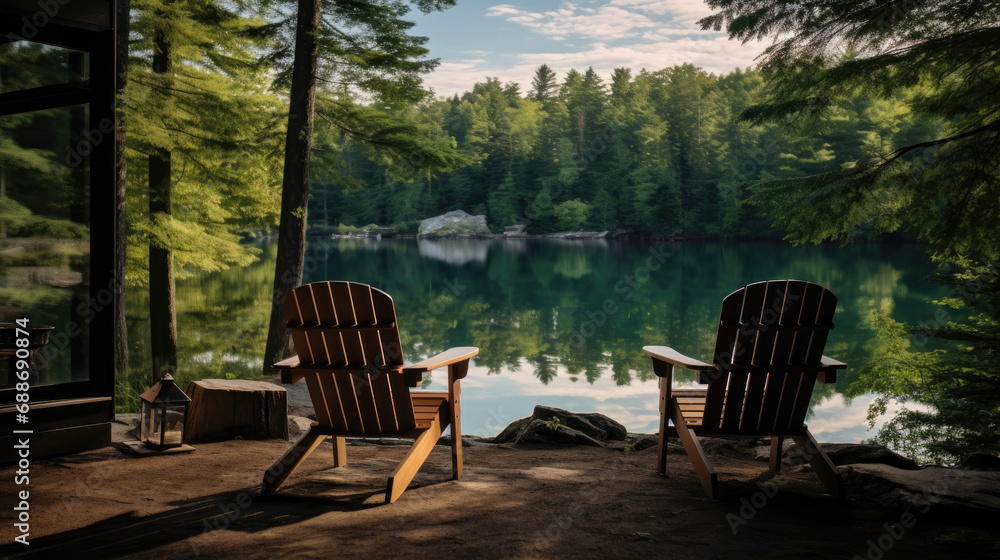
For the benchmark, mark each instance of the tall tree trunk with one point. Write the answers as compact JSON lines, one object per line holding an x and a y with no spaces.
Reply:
{"x":120,"y":328}
{"x":162,"y":313}
{"x":295,"y":183}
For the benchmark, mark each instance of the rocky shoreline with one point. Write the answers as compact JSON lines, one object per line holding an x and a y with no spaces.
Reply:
{"x":457,"y":224}
{"x":892,"y":480}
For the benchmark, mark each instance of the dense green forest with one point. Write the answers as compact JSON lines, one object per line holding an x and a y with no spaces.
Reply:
{"x":662,"y":152}
{"x":858,"y":122}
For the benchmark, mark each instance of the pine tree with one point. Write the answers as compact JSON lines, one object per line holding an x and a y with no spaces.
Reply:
{"x":362,"y":45}
{"x":198,"y":120}
{"x":543,"y":85}
{"x":945,"y":188}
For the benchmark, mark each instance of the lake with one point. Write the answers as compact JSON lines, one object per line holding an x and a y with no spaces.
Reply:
{"x":557,"y":322}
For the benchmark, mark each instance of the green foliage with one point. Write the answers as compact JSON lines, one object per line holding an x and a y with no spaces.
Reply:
{"x":16,"y":220}
{"x":541,"y":213}
{"x":210,"y":109}
{"x":407,"y":227}
{"x":658,"y":151}
{"x":321,"y":230}
{"x":555,"y":424}
{"x":922,"y":77}
{"x":571,"y":215}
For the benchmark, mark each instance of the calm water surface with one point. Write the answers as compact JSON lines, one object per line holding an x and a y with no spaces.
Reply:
{"x":557,"y":323}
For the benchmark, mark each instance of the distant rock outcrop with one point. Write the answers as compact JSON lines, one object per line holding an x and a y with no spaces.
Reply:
{"x":456,"y":223}
{"x":516,"y":230}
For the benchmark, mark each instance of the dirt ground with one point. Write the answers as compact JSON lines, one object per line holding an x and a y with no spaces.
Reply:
{"x":520,"y":502}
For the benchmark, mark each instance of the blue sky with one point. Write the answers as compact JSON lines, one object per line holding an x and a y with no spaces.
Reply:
{"x":511,"y":39}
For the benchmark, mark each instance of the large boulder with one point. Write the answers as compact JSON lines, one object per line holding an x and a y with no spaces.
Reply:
{"x":555,"y":425}
{"x":855,"y":453}
{"x":942,"y":488}
{"x":453,"y":224}
{"x":981,"y":462}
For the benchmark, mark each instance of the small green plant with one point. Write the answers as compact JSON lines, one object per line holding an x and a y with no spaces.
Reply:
{"x":346,"y":230}
{"x":555,"y":424}
{"x":230,"y":376}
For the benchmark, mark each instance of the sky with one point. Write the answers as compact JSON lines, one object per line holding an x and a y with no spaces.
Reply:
{"x":481,"y":38}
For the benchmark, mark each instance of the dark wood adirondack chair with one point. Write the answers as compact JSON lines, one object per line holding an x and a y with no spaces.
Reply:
{"x":768,"y":356}
{"x":349,"y":353}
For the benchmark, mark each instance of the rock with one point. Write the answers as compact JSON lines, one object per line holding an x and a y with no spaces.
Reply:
{"x":981,"y":462}
{"x":515,"y":230}
{"x":453,"y":224}
{"x":735,"y":448}
{"x":125,"y":427}
{"x":298,"y":425}
{"x":638,"y":442}
{"x":576,"y":428}
{"x":930,"y":488}
{"x":853,"y":453}
{"x":577,"y":235}
{"x":299,"y":401}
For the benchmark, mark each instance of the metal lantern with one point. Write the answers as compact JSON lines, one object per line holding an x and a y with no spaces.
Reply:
{"x":164,"y":408}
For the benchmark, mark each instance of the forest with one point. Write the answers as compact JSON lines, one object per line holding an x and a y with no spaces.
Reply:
{"x":237,"y":122}
{"x":661,"y":152}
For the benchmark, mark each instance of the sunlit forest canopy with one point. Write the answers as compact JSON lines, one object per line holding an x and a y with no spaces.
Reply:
{"x":870,"y":120}
{"x":659,"y":151}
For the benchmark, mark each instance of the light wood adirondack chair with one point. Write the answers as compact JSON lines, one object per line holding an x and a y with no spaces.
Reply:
{"x":349,"y":353}
{"x":768,"y":356}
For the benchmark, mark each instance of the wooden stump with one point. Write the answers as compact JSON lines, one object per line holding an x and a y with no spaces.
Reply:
{"x":222,"y":409}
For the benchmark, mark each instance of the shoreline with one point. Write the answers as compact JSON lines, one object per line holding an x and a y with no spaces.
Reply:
{"x":513,"y":501}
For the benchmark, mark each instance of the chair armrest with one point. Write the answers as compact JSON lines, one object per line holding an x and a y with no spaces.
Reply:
{"x":828,"y":362}
{"x":460,"y":355}
{"x":287,"y":363}
{"x":445,"y":358}
{"x":671,"y":356}
{"x":830,"y":374}
{"x":287,"y":367}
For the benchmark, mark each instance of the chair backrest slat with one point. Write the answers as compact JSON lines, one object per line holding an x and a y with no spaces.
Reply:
{"x":366,"y":396}
{"x":725,"y":347}
{"x":350,"y":340}
{"x":331,"y":399}
{"x":321,"y":406}
{"x":295,"y":321}
{"x":758,"y":312}
{"x":774,"y":330}
{"x":348,"y":332}
{"x":326,"y":314}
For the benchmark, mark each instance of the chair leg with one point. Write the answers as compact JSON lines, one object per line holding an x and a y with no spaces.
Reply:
{"x":339,"y":452}
{"x":821,"y":464}
{"x":455,"y":413}
{"x":706,"y":474}
{"x":777,"y":444}
{"x":408,"y":467}
{"x":661,"y":450}
{"x":279,"y":471}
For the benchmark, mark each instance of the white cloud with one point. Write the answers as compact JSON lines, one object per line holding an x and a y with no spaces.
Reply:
{"x":686,"y":10}
{"x":717,"y":55}
{"x":605,"y":22}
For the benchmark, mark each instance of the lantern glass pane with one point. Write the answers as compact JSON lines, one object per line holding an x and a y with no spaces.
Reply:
{"x":155,"y":425}
{"x":147,"y":421}
{"x":173,"y":428}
